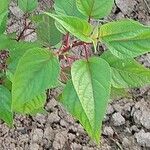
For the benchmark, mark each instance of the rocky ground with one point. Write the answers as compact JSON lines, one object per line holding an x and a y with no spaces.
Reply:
{"x":126,"y":125}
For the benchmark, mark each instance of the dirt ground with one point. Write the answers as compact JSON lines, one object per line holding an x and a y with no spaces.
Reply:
{"x":126,"y":125}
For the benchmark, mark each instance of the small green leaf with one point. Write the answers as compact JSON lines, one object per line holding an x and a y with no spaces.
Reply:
{"x":68,"y":8}
{"x":27,"y":5}
{"x":127,"y":73}
{"x":76,"y":26}
{"x":95,"y":8}
{"x":92,"y":82}
{"x":47,"y":25}
{"x":37,"y":71}
{"x":126,"y":38}
{"x":32,"y":106}
{"x":5,"y":106}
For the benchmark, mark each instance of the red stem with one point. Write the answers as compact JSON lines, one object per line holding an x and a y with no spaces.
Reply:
{"x":86,"y":52}
{"x":73,"y":45}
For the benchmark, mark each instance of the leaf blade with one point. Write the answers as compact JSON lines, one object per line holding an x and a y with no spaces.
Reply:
{"x":37,"y":71}
{"x":5,"y":106}
{"x":126,"y":38}
{"x":127,"y":73}
{"x":95,"y":8}
{"x":93,"y":90}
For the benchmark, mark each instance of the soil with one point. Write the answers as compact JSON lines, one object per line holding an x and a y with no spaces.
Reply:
{"x":126,"y":125}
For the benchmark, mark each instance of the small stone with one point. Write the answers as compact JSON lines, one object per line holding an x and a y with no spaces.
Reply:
{"x":63,"y":123}
{"x":110,"y":109}
{"x":60,"y":140}
{"x":126,"y":142}
{"x":117,"y":107}
{"x":126,"y":6}
{"x":15,"y":10}
{"x":51,"y":104}
{"x":134,"y":128}
{"x":143,"y":138}
{"x":106,"y":118}
{"x":37,"y":136}
{"x":118,"y":119}
{"x":71,"y":136}
{"x":108,"y":131}
{"x":40,"y":118}
{"x":53,"y":117}
{"x":34,"y":146}
{"x":48,"y":133}
{"x":75,"y":146}
{"x":88,"y":148}
{"x":145,"y":119}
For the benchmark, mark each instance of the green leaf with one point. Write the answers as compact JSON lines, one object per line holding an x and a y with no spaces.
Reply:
{"x":17,"y":50}
{"x":3,"y":14}
{"x":5,"y":106}
{"x":126,"y":38}
{"x":68,"y":8}
{"x":27,"y":5}
{"x":37,"y":71}
{"x":92,"y":82}
{"x":3,"y":20}
{"x":32,"y":106}
{"x":47,"y":32}
{"x":3,"y":5}
{"x":127,"y":73}
{"x":95,"y":8}
{"x":5,"y":42}
{"x":76,"y":26}
{"x":117,"y":93}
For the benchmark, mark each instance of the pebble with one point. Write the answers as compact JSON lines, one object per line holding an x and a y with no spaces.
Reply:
{"x":37,"y":136}
{"x":110,"y":109}
{"x":126,"y":6}
{"x":118,"y":119}
{"x":60,"y":140}
{"x":53,"y":117}
{"x":108,"y":131}
{"x":143,"y":138}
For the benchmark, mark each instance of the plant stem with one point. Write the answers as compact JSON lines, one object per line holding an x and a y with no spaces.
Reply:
{"x":86,"y":52}
{"x":65,"y":49}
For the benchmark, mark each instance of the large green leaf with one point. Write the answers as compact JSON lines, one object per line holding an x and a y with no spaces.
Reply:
{"x":67,"y":8}
{"x":3,"y":14}
{"x":32,"y":105}
{"x":92,"y":82}
{"x":5,"y":106}
{"x":95,"y":8}
{"x":126,"y":38}
{"x":37,"y":71}
{"x":76,"y":26}
{"x":3,"y":5}
{"x":127,"y":72}
{"x":3,"y":20}
{"x":47,"y":32}
{"x":27,"y":5}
